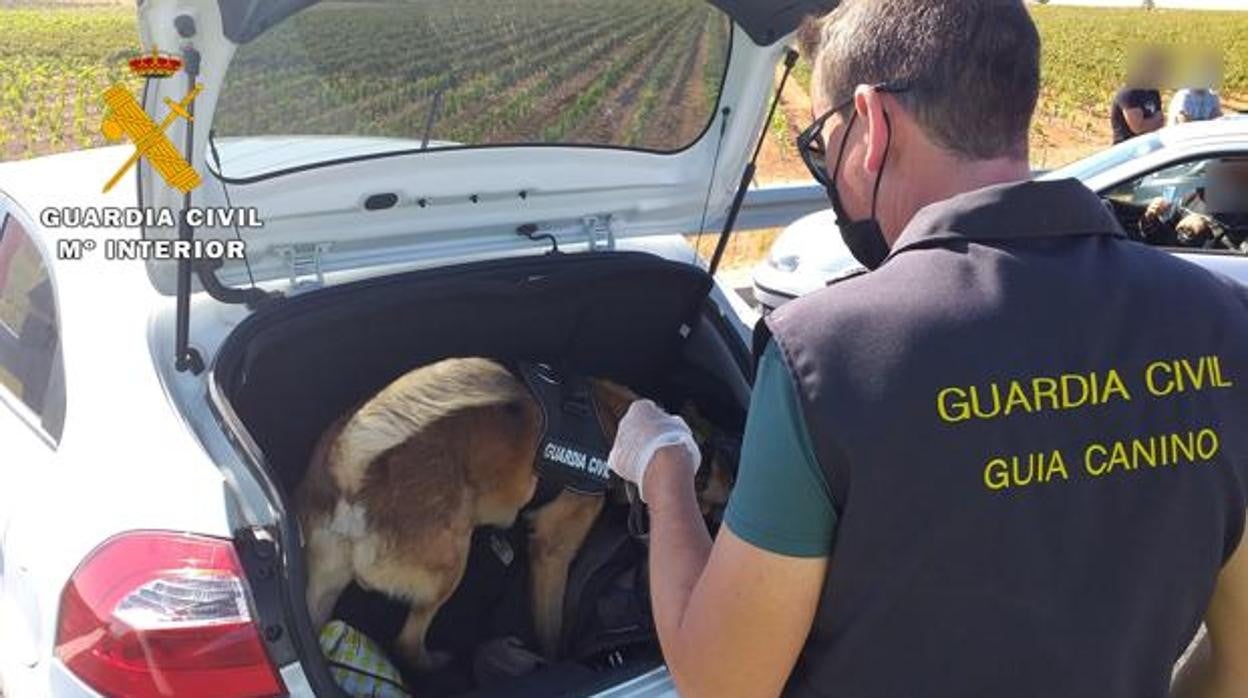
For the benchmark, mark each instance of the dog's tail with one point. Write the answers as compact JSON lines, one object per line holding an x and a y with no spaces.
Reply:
{"x":412,"y":403}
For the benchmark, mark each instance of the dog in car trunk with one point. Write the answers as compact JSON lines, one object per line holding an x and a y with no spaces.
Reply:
{"x":395,"y":489}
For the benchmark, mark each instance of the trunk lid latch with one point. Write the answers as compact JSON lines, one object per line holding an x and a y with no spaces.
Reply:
{"x":304,"y":265}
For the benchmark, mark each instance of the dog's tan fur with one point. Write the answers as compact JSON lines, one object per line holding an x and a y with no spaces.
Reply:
{"x":394,"y":491}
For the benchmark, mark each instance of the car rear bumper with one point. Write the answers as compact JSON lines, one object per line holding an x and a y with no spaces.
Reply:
{"x":63,"y":684}
{"x":652,"y":684}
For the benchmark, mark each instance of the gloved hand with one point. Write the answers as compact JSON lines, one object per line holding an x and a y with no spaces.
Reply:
{"x":644,"y":430}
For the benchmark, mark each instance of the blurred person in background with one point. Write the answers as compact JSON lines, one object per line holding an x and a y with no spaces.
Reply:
{"x":1199,"y":100}
{"x":1136,"y":108}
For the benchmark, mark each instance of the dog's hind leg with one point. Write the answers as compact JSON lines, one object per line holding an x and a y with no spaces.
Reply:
{"x":411,"y":640}
{"x":329,"y":570}
{"x":558,"y":531}
{"x":424,"y":572}
{"x":426,"y":591}
{"x":327,"y":544}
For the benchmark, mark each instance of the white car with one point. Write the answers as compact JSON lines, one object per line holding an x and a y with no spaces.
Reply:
{"x":158,"y":409}
{"x":1169,"y":164}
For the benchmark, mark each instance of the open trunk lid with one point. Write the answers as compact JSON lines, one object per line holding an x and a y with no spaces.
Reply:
{"x":341,"y":196}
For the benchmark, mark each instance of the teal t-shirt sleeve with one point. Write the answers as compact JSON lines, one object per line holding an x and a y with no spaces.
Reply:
{"x":781,"y":501}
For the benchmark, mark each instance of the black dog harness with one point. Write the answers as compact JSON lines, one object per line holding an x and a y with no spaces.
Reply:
{"x":573,"y":448}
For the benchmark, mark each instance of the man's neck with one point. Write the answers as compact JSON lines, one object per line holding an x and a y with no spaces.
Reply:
{"x":953,"y":177}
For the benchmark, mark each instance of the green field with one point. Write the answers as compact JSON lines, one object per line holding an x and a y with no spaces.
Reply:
{"x":54,"y":64}
{"x":1085,"y":49}
{"x":600,"y":78}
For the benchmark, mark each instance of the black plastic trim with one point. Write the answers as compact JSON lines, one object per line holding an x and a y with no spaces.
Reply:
{"x":258,"y":556}
{"x":381,"y":202}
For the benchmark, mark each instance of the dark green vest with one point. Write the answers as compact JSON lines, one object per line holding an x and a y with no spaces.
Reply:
{"x":1036,"y":435}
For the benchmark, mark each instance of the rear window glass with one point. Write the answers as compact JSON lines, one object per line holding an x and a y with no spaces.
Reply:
{"x":30,"y":352}
{"x":643,"y":74}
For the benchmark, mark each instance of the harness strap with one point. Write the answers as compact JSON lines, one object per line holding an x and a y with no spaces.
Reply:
{"x":573,"y":447}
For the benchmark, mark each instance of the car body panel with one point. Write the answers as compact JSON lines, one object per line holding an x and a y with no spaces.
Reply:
{"x":652,"y":684}
{"x":1181,"y":142}
{"x":125,"y":461}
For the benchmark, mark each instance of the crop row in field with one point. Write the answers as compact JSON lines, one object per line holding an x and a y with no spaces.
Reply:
{"x":54,"y":64}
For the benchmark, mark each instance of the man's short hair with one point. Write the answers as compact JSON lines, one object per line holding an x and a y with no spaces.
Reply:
{"x":972,"y":67}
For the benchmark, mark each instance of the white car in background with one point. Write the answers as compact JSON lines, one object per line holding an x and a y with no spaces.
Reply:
{"x":156,"y":414}
{"x":805,"y":257}
{"x":1169,"y":164}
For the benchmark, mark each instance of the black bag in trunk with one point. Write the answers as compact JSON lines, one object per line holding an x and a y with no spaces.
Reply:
{"x":606,"y":614}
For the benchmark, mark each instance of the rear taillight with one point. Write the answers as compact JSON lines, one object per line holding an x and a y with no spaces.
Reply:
{"x":163,"y":614}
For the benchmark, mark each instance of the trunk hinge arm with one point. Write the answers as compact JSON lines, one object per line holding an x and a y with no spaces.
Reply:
{"x":790,"y":60}
{"x":305,"y":264}
{"x":187,"y":357}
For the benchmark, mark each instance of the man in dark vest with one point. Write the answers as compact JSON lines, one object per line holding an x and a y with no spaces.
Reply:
{"x":1136,"y":109}
{"x":978,"y":469}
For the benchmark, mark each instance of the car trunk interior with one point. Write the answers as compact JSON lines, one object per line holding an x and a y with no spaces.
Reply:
{"x":296,"y":365}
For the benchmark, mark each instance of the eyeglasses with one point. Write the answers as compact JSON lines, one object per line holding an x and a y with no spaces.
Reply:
{"x":810,"y":144}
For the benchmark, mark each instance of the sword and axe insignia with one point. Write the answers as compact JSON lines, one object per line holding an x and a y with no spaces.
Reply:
{"x":127,"y":119}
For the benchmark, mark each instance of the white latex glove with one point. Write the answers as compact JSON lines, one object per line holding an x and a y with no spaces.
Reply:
{"x":644,"y":430}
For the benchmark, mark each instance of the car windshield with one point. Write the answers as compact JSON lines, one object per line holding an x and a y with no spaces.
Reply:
{"x":1107,"y":159}
{"x":348,"y":79}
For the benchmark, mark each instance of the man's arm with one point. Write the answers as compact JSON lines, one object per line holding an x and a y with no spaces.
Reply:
{"x":1132,"y":106}
{"x":1218,"y":667}
{"x":1140,"y":124}
{"x":733,"y":615}
{"x":732,"y":618}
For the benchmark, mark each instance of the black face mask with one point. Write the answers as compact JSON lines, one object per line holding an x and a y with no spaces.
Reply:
{"x":864,"y":238}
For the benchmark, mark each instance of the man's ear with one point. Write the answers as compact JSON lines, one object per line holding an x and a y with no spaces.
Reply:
{"x":869,"y":103}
